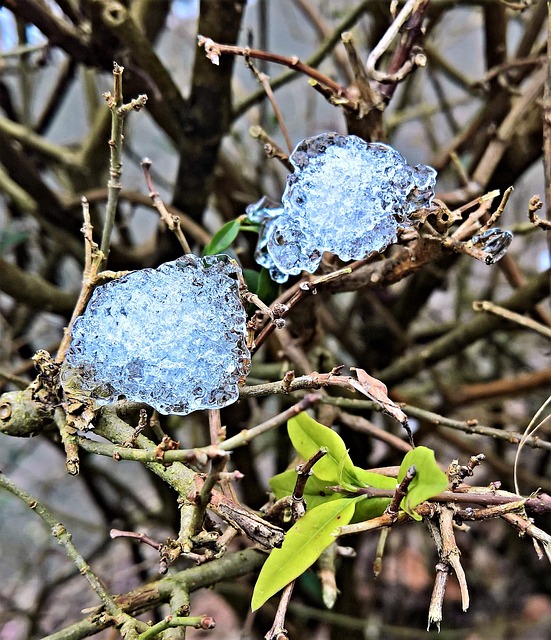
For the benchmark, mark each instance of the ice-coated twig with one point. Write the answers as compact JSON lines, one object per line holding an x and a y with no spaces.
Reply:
{"x":345,"y":196}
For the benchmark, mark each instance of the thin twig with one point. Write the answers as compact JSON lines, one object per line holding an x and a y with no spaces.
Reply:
{"x":384,"y":43}
{"x":517,"y":318}
{"x":278,"y":631}
{"x":245,"y":436}
{"x":214,"y":50}
{"x":118,"y":111}
{"x":401,"y":492}
{"x":264,"y":80}
{"x":61,"y":534}
{"x":271,"y":148}
{"x":171,"y":221}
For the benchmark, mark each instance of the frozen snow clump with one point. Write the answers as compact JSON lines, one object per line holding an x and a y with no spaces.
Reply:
{"x":172,"y":337}
{"x":345,"y":196}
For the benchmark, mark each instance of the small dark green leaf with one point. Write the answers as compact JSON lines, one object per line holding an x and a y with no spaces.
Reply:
{"x":251,"y":279}
{"x":302,"y":546}
{"x":11,"y":238}
{"x":223,"y":238}
{"x":428,"y":481}
{"x":267,"y":289}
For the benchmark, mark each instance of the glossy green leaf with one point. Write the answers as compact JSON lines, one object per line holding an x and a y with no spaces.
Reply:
{"x":315,"y":491}
{"x":428,"y":481}
{"x":223,"y":238}
{"x":302,"y":546}
{"x":309,"y":436}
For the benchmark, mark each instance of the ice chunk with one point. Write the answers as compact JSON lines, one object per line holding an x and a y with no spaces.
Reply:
{"x":172,"y":337}
{"x":495,"y":242}
{"x":345,"y":196}
{"x":263,"y":213}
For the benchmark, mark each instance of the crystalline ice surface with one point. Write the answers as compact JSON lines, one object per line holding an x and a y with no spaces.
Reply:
{"x":495,"y":243}
{"x":345,"y":196}
{"x":172,"y":337}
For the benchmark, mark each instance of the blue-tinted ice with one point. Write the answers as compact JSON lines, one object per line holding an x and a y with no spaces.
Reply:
{"x":345,"y":196}
{"x":172,"y":337}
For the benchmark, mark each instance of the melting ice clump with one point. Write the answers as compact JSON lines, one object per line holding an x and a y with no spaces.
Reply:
{"x":172,"y":337}
{"x":345,"y":196}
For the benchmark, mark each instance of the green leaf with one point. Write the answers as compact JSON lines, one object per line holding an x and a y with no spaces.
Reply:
{"x":267,"y":289}
{"x":315,"y":491}
{"x":370,"y":479}
{"x":223,"y":238}
{"x":11,"y":238}
{"x":369,"y":508}
{"x":302,"y":546}
{"x":251,"y":279}
{"x":309,"y":436}
{"x":428,"y":481}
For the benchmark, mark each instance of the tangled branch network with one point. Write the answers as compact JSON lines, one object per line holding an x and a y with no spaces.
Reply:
{"x":175,"y":337}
